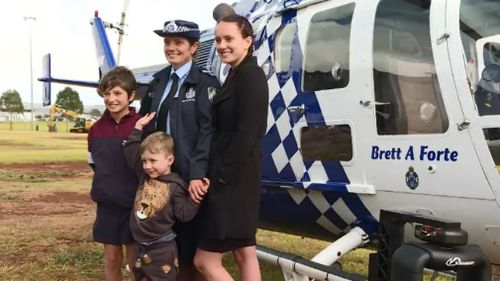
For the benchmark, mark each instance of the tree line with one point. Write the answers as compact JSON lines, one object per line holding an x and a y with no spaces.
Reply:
{"x":69,"y":99}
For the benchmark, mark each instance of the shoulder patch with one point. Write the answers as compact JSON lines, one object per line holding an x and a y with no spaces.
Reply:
{"x":211,"y":93}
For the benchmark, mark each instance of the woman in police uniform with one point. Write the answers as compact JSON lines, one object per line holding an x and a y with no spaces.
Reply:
{"x":181,"y":94}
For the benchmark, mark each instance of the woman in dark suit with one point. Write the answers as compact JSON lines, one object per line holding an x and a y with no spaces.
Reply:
{"x":230,"y":209}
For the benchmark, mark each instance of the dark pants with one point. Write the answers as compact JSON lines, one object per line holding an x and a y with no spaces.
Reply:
{"x":157,"y":262}
{"x":186,"y":241}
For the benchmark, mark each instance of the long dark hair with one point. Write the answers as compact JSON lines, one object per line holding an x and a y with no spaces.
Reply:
{"x":245,"y":27}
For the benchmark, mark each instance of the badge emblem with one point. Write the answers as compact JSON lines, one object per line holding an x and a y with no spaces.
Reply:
{"x":170,"y":27}
{"x":411,"y":178}
{"x":166,"y":268}
{"x":190,"y":93}
{"x":146,"y":259}
{"x":211,"y":93}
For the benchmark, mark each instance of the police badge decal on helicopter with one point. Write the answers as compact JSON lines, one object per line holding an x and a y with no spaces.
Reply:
{"x":411,"y":178}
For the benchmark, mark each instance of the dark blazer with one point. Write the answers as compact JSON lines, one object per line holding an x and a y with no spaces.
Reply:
{"x":191,"y":120}
{"x":231,"y":207}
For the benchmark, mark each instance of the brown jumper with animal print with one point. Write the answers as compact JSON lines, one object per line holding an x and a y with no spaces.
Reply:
{"x":159,"y":203}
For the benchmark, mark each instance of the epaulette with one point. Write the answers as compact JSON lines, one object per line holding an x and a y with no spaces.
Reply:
{"x":207,"y":71}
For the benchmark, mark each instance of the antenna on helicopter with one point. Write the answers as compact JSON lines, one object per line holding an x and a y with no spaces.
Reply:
{"x":121,"y":29}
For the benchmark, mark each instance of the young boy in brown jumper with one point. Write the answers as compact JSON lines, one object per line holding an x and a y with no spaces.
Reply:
{"x":161,"y":200}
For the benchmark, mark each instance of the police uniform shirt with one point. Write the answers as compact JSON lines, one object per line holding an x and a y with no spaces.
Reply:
{"x":182,"y":73}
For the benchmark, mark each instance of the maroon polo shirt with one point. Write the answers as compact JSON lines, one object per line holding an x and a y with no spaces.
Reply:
{"x":114,"y":185}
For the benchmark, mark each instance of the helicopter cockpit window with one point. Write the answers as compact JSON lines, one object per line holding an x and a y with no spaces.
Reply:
{"x":407,"y":93}
{"x":326,"y":63}
{"x":492,"y":136}
{"x":326,"y":143}
{"x":480,"y":34}
{"x":284,"y":47}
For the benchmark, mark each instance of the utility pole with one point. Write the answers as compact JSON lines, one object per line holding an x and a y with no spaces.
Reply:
{"x":30,"y":20}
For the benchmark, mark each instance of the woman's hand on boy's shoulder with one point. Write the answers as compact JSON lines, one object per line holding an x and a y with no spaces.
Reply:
{"x":198,"y":188}
{"x":144,"y":121}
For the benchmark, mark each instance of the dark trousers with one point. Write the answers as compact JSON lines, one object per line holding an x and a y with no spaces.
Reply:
{"x":157,"y":262}
{"x":186,"y":241}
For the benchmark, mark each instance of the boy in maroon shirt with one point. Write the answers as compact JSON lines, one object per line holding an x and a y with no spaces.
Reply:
{"x":113,"y":185}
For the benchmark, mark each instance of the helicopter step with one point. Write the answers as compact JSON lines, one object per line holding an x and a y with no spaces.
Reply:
{"x":296,"y":268}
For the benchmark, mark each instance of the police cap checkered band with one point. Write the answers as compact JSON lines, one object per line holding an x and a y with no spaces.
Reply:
{"x":180,"y":28}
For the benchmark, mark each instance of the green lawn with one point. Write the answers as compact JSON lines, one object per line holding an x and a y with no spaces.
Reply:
{"x":62,"y":126}
{"x":35,"y":147}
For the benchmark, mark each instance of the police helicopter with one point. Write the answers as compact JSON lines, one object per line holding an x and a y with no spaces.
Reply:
{"x":373,"y":105}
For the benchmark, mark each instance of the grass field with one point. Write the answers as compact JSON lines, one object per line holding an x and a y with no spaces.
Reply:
{"x":47,"y":215}
{"x":62,"y":126}
{"x":39,"y":147}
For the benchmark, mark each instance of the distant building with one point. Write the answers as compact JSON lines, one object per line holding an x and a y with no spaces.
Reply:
{"x":5,"y":116}
{"x":39,"y":109}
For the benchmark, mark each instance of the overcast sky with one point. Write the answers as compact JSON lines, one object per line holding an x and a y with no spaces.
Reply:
{"x":62,"y":27}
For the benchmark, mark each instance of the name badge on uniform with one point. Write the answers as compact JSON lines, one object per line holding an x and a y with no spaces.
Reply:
{"x":190,"y":95}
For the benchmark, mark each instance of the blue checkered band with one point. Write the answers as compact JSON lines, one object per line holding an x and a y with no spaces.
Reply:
{"x":316,"y":189}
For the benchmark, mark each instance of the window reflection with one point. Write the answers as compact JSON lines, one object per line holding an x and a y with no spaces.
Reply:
{"x":480,"y":34}
{"x":326,"y":64}
{"x":492,"y":136}
{"x":405,"y":81}
{"x":284,"y":47}
{"x":326,"y":143}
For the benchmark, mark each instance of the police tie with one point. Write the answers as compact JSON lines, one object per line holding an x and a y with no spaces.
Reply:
{"x":163,"y":112}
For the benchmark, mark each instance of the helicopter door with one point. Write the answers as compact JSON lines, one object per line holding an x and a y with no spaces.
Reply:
{"x":417,"y":143}
{"x":476,"y":45}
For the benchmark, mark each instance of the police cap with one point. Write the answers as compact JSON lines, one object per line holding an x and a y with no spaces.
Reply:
{"x":180,"y":28}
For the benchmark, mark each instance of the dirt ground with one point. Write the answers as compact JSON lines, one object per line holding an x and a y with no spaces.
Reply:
{"x":82,"y":167}
{"x":43,"y":203}
{"x":45,"y":225}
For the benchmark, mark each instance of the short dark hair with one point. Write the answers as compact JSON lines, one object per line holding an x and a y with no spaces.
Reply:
{"x":244,"y":25}
{"x":118,"y":76}
{"x":157,"y":142}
